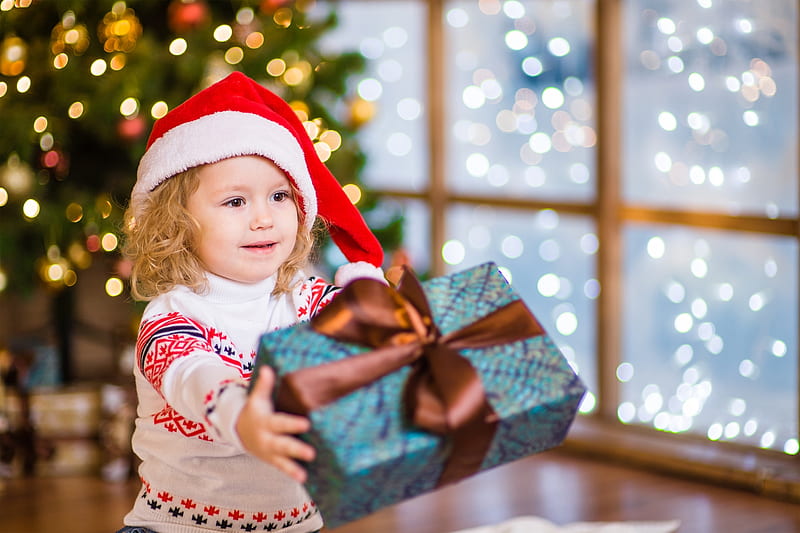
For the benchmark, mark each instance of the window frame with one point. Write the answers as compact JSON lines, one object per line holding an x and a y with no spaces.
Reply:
{"x":601,"y":434}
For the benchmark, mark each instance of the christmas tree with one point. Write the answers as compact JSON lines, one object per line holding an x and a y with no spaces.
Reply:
{"x":81,"y":83}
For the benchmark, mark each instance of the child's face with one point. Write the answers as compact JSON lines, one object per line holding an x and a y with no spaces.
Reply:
{"x":248,"y":218}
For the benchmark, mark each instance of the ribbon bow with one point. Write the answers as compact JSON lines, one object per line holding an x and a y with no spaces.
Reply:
{"x":443,"y":394}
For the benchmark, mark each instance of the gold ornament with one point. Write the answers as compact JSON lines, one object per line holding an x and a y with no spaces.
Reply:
{"x":17,"y":176}
{"x":13,"y":55}
{"x":119,"y":29}
{"x":68,"y":36}
{"x":361,"y":112}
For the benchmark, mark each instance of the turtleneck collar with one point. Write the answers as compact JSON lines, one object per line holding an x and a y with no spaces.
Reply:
{"x":226,"y":291}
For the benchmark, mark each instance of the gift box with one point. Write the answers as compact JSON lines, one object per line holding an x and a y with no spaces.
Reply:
{"x":413,"y":388}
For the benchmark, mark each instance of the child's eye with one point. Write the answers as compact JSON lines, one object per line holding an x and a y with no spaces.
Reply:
{"x":235,"y":202}
{"x":281,"y":196}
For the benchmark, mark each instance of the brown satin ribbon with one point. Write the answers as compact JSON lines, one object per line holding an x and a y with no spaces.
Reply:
{"x":443,"y":394}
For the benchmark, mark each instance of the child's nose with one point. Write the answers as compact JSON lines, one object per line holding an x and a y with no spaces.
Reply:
{"x":262,"y":217}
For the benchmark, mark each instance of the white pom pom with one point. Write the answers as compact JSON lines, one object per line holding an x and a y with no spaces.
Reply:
{"x":360,"y":269}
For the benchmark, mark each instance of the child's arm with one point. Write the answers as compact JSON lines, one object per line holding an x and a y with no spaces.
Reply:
{"x":312,"y":295}
{"x":267,"y":434}
{"x":175,"y":356}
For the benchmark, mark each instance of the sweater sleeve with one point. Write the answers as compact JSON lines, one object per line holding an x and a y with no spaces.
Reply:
{"x":312,"y":295}
{"x":176,"y":357}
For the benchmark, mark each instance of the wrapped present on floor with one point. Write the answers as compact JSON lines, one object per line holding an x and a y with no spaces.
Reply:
{"x":413,"y":388}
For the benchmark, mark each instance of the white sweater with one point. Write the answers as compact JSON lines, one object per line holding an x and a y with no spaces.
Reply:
{"x":195,"y":355}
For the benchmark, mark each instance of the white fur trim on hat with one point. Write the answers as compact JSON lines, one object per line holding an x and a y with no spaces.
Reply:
{"x":218,"y":136}
{"x":360,"y":269}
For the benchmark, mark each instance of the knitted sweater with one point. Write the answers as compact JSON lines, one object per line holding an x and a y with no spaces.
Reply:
{"x":195,"y":355}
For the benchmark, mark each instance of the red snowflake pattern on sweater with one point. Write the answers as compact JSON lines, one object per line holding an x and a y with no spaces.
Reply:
{"x":174,"y":422}
{"x":165,"y":338}
{"x":188,"y":511}
{"x":316,"y":294}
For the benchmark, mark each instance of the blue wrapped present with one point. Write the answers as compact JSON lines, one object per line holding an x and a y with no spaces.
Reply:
{"x":413,"y":388}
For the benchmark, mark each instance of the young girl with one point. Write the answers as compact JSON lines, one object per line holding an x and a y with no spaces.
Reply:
{"x":219,"y":228}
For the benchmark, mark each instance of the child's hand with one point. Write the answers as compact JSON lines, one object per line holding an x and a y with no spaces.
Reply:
{"x":266,"y":434}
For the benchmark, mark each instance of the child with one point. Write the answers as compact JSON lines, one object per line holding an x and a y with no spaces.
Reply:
{"x":219,"y":230}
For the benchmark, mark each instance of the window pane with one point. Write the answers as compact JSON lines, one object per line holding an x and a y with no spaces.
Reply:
{"x":391,"y":36}
{"x":549,"y":260}
{"x":710,"y":334}
{"x":711,"y":105}
{"x":415,"y":248}
{"x":520,"y":98}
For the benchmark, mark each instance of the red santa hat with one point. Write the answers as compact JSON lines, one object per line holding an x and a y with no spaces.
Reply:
{"x":237,"y":116}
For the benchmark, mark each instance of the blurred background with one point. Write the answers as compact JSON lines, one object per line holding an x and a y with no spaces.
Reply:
{"x":630,"y":165}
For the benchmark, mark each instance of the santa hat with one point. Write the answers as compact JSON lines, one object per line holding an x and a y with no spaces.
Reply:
{"x":237,"y":116}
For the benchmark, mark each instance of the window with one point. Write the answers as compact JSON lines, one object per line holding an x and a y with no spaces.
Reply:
{"x":710,"y":135}
{"x":631,"y":166}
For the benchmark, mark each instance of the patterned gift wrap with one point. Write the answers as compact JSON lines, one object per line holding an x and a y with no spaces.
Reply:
{"x":370,"y":453}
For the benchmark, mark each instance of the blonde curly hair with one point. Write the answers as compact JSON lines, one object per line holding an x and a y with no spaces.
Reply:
{"x":161,"y":241}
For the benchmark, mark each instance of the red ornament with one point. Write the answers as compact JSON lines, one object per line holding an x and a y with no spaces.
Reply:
{"x":131,"y":129}
{"x":186,"y":15}
{"x":56,"y":161}
{"x":271,"y":6}
{"x":124,"y":268}
{"x":50,"y":159}
{"x":93,"y":243}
